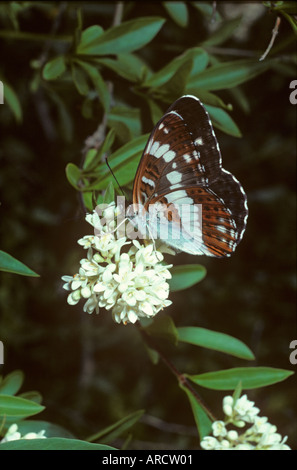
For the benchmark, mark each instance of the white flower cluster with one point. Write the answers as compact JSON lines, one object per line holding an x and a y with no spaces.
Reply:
{"x":261,"y":435}
{"x":132,"y":284}
{"x":14,"y":435}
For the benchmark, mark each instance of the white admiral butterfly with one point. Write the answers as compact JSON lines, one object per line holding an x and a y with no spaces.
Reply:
{"x":181,"y":170}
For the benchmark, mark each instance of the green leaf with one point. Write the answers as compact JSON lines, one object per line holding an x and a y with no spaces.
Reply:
{"x":178,"y":12}
{"x":53,"y":443}
{"x":79,"y":79}
{"x":203,"y":422}
{"x":94,"y":156}
{"x":197,"y":55}
{"x":175,"y":87}
{"x":185,"y":276}
{"x":90,"y":35}
{"x":221,"y":119}
{"x":214,"y":340}
{"x":117,"y":429}
{"x":227,"y":75}
{"x":12,"y":101}
{"x":224,"y":32}
{"x":11,"y":384}
{"x":73,"y":174}
{"x":128,"y":66}
{"x":123,"y":163}
{"x":250,"y":377}
{"x":32,"y":395}
{"x":98,"y":83}
{"x":12,"y":265}
{"x":88,"y":200}
{"x":109,"y":194}
{"x":18,"y":407}
{"x":163,"y":327}
{"x":54,"y":68}
{"x":129,"y":117}
{"x":207,"y":10}
{"x":127,"y":37}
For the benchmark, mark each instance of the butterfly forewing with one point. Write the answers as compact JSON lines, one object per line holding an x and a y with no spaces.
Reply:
{"x":181,"y":167}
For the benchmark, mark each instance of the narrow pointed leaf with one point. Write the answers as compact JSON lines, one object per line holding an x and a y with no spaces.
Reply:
{"x":12,"y":100}
{"x":227,"y":75}
{"x":250,"y":377}
{"x":223,"y":121}
{"x":127,"y":37}
{"x":202,"y":420}
{"x":214,"y":340}
{"x":178,"y":12}
{"x":11,"y":265}
{"x":18,"y":407}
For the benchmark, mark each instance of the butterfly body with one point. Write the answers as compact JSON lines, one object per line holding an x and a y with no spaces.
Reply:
{"x":181,"y":193}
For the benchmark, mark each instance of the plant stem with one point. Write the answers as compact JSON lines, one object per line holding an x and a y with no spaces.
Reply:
{"x":180,"y":377}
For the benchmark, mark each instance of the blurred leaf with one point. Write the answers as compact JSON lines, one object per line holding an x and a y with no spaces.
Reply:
{"x":250,"y":377}
{"x":54,"y":68}
{"x":123,"y":163}
{"x":214,"y":340}
{"x":128,"y":66}
{"x":79,"y":79}
{"x":155,"y":110}
{"x":32,"y":396}
{"x":203,"y":422}
{"x":178,"y":12}
{"x":175,"y":87}
{"x":117,"y":429}
{"x":98,"y":83}
{"x":185,"y":276}
{"x":109,"y":194}
{"x":12,"y":100}
{"x":12,"y":265}
{"x":163,"y":327}
{"x":223,"y":121}
{"x":18,"y":407}
{"x":130,"y":117}
{"x":227,"y":75}
{"x":88,"y":200}
{"x":11,"y":384}
{"x":207,"y":10}
{"x":53,"y":443}
{"x":224,"y":32}
{"x":197,"y":55}
{"x":126,"y":37}
{"x":210,"y":98}
{"x":89,"y":36}
{"x":94,"y":157}
{"x":73,"y":174}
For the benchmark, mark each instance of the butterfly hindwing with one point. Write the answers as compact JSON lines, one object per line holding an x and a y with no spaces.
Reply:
{"x":182,"y":166}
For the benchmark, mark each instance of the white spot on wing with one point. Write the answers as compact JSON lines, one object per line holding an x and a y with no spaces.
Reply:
{"x":148,"y":181}
{"x":174,"y":177}
{"x":168,"y":156}
{"x":199,"y":141}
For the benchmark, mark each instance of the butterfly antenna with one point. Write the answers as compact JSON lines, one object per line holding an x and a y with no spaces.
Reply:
{"x":111,"y":171}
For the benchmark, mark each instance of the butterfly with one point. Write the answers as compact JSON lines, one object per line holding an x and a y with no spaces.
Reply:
{"x":181,"y":193}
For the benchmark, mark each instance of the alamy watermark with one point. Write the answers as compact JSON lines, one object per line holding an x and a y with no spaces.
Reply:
{"x":293,"y":94}
{"x":164,"y":221}
{"x":293,"y":354}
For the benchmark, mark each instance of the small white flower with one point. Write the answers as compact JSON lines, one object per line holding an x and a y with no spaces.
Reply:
{"x":209,"y":443}
{"x":219,"y":428}
{"x":132,"y":284}
{"x":261,"y":435}
{"x":13,"y":434}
